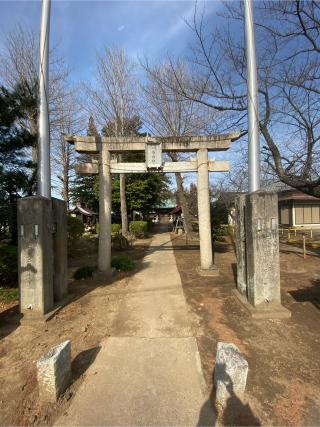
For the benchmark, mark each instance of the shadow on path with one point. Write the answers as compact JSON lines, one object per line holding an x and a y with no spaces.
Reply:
{"x":9,"y":320}
{"x":235,"y":412}
{"x":82,"y":362}
{"x":308,"y":294}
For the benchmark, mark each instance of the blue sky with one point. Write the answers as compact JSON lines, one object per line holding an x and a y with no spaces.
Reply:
{"x":82,"y":28}
{"x":147,"y":28}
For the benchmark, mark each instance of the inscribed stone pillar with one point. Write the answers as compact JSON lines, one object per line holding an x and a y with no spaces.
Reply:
{"x":104,"y":258}
{"x":241,"y":244}
{"x":35,"y":260}
{"x":262,"y":245}
{"x":230,"y":373}
{"x":204,"y":210}
{"x":54,"y":372}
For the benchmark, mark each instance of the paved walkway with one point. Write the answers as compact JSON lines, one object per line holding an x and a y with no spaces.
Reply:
{"x":148,"y":373}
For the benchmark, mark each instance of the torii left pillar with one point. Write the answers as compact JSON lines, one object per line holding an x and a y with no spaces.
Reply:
{"x":105,"y":185}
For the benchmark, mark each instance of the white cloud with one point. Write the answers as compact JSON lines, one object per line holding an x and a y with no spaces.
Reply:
{"x":121,"y":28}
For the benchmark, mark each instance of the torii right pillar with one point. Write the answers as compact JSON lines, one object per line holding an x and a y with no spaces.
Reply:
{"x":207,"y":267}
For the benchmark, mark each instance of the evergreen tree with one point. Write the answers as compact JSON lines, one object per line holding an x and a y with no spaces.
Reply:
{"x":143,"y":191}
{"x":15,"y":165}
{"x":84,"y":187}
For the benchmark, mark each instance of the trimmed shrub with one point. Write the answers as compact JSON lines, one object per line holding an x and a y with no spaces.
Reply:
{"x":83,"y":273}
{"x":119,"y":242}
{"x":9,"y":294}
{"x":138,"y":228}
{"x":122,"y":263}
{"x":75,"y":228}
{"x":8,"y":265}
{"x":115,"y":228}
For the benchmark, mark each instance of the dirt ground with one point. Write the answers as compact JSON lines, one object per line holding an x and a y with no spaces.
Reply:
{"x":283,"y":385}
{"x":86,"y":320}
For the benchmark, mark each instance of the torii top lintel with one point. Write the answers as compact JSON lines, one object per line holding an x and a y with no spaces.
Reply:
{"x":91,"y":144}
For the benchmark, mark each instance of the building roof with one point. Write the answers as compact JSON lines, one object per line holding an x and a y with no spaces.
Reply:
{"x":83,"y":210}
{"x":286,"y":192}
{"x":167,"y":204}
{"x":277,"y":187}
{"x":176,"y":210}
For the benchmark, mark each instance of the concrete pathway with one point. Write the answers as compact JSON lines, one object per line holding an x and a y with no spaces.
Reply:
{"x":148,"y":373}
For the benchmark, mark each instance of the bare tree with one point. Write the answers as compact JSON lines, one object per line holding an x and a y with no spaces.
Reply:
{"x":113,"y":98}
{"x":288,"y":40}
{"x":19,"y":63}
{"x":63,"y":154}
{"x":167,"y":112}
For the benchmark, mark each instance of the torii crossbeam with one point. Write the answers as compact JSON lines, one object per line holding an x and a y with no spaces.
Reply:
{"x":153,"y":148}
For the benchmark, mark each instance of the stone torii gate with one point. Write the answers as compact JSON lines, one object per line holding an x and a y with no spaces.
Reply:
{"x":153,"y":148}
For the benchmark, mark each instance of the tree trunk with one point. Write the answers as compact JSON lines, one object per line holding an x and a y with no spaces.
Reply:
{"x":123,"y":204}
{"x":182,"y":198}
{"x":65,"y":190}
{"x":184,"y":204}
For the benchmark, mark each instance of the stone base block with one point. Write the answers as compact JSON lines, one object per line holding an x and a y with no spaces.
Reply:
{"x":104,"y":274}
{"x":230,"y":373}
{"x":30,"y":318}
{"x":54,"y":372}
{"x":271,"y":310}
{"x":210,"y":272}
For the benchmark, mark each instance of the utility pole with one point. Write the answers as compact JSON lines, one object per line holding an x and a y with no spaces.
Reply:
{"x":44,"y":178}
{"x":252,"y":97}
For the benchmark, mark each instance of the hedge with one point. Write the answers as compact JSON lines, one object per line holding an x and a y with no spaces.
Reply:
{"x":115,"y":228}
{"x":138,"y":228}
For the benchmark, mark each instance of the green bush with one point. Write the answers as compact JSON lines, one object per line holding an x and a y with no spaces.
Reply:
{"x":138,"y":228}
{"x":122,"y":263}
{"x":75,"y":228}
{"x":218,"y":233}
{"x":83,"y":273}
{"x":9,"y":294}
{"x":115,"y":228}
{"x":8,"y":265}
{"x":119,"y":242}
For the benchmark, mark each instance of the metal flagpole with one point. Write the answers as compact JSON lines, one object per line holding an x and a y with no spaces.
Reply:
{"x":252,"y":96}
{"x":44,"y":178}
